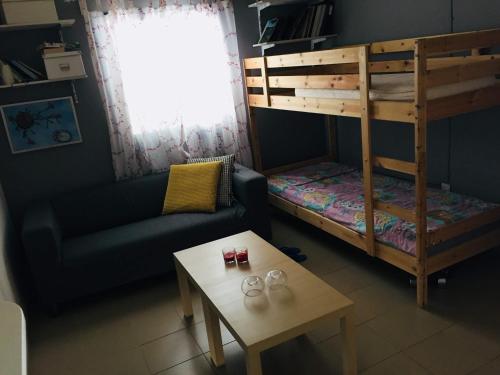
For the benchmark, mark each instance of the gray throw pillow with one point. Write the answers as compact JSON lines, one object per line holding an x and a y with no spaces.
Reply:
{"x":225,"y":190}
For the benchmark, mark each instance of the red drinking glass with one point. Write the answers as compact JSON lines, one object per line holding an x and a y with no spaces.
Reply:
{"x":242,"y":254}
{"x":229,"y":254}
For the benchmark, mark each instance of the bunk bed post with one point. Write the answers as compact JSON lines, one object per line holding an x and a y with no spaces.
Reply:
{"x":331,"y":141}
{"x":421,"y":175}
{"x":254,"y":135}
{"x":366,"y":138}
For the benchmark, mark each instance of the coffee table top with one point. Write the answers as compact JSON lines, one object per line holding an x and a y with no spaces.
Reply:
{"x":274,"y":316}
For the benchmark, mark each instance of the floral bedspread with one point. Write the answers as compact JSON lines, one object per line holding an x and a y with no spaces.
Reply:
{"x":336,"y":192}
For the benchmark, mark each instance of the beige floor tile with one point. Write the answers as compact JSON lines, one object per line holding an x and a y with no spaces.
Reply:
{"x":170,"y":351}
{"x":199,"y":333}
{"x":407,"y":325}
{"x":371,"y":348}
{"x":454,"y":351}
{"x":398,"y":364}
{"x":130,"y":362}
{"x":351,"y":278}
{"x":379,"y":298}
{"x":195,"y":366}
{"x":491,"y":368}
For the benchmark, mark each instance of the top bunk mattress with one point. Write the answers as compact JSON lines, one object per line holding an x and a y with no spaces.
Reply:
{"x":335,"y":191}
{"x":398,"y":87}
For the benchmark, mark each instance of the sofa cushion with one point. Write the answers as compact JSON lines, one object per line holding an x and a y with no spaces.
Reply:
{"x":95,"y":209}
{"x":146,"y":238}
{"x":192,"y":188}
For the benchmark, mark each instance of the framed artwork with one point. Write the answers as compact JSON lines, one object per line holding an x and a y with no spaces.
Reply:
{"x":41,"y":124}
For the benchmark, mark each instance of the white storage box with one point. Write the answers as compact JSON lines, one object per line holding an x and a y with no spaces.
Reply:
{"x":32,"y":11}
{"x":64,"y":65}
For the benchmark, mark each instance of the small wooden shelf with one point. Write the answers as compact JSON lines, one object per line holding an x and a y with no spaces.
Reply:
{"x":269,"y":3}
{"x":316,"y":39}
{"x":31,"y":26}
{"x":42,"y":82}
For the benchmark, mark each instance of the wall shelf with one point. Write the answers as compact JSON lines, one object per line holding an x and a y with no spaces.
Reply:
{"x":313,"y":39}
{"x":42,"y":82}
{"x":32,"y":26}
{"x":269,"y":3}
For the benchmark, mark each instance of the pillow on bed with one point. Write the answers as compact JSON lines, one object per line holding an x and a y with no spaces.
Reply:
{"x":225,"y":192}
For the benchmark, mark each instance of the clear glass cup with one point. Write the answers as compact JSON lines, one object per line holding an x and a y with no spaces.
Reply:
{"x":242,"y":254}
{"x":229,"y":255}
{"x":252,"y":286}
{"x":276,"y":279}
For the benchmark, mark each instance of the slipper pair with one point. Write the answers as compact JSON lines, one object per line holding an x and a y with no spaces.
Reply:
{"x":294,"y":253}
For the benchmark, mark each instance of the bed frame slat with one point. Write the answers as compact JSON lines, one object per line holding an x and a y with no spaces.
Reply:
{"x":338,"y":81}
{"x":395,"y":165}
{"x":398,"y":211}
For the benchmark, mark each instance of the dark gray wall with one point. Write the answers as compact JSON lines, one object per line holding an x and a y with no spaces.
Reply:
{"x":472,"y":140}
{"x":36,"y":174}
{"x":464,"y":150}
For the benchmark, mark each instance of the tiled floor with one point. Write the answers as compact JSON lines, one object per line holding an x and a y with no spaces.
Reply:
{"x":138,"y":330}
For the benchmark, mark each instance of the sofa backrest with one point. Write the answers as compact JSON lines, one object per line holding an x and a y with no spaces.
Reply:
{"x":103,"y":207}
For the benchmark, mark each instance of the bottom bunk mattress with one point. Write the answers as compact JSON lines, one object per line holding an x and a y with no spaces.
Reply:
{"x":335,"y":191}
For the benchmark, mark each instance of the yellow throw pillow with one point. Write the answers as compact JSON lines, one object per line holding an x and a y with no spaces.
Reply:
{"x":192,"y":188}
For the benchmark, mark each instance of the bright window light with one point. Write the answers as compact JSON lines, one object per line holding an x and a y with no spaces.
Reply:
{"x":175,"y":69}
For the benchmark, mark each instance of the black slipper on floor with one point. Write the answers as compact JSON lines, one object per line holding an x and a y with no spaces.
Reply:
{"x":299,"y":258}
{"x":289,"y":250}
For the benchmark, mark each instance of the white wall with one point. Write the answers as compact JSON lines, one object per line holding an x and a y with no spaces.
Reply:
{"x":7,"y":288}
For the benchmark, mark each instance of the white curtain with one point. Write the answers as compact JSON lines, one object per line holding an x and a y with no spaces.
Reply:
{"x":170,"y":79}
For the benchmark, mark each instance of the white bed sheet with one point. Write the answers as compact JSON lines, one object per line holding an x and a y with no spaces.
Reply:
{"x":398,"y":87}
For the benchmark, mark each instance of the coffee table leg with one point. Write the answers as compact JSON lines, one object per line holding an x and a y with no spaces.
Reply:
{"x":254,"y":367}
{"x":213,"y":333}
{"x":182,"y":279}
{"x":349,"y":360}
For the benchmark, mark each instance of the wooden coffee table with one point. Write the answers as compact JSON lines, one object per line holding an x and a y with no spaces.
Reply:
{"x":262,"y":322}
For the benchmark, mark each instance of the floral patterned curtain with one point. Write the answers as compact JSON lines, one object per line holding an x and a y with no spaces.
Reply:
{"x":170,"y":80}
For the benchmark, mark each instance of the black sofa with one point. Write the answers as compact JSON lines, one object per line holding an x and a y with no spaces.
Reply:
{"x":89,"y":240}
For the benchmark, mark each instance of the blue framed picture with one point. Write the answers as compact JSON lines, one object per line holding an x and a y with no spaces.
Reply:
{"x":41,"y":124}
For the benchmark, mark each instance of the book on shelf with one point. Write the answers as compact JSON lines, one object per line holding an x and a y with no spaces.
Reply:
{"x":15,"y":71}
{"x":269,"y":30}
{"x":313,"y":20}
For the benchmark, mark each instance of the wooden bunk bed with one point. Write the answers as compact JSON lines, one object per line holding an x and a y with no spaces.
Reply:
{"x":276,"y":82}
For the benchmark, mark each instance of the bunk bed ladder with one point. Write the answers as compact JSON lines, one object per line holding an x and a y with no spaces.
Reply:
{"x":366,"y":137}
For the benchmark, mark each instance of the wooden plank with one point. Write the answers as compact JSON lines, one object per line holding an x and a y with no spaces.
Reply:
{"x":464,"y":251}
{"x":392,"y":111}
{"x":391,"y":46}
{"x":391,"y":66}
{"x":398,"y":211}
{"x":332,"y":56}
{"x":257,"y":100}
{"x":420,"y":161}
{"x":461,"y":73}
{"x":396,"y":257}
{"x":253,"y":63}
{"x":453,"y":230}
{"x":255,"y":81}
{"x":442,"y":62}
{"x":329,"y":226}
{"x":366,"y":145}
{"x":265,"y":79}
{"x":300,"y":164}
{"x":462,"y":41}
{"x":380,"y":110}
{"x":395,"y":165}
{"x":343,"y":82}
{"x":464,"y":103}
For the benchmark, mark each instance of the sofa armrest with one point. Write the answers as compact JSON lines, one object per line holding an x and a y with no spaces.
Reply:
{"x":41,"y":235}
{"x":250,"y":189}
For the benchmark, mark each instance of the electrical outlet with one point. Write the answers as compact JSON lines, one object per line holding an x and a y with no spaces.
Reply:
{"x":445,"y":186}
